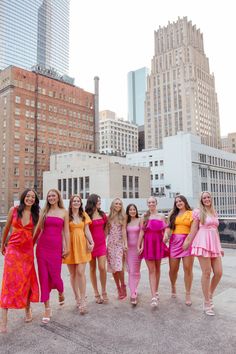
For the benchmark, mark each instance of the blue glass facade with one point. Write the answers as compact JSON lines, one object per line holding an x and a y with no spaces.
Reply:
{"x":34,"y":33}
{"x":137,"y":84}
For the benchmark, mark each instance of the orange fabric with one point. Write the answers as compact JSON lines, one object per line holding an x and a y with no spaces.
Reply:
{"x":19,"y":281}
{"x":183,"y":223}
{"x":78,"y":243}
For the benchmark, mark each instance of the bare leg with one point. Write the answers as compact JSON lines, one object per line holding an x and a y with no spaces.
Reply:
{"x":28,"y":312}
{"x":152,"y":277}
{"x":80,"y":270}
{"x":158,"y":273}
{"x":103,"y":273}
{"x":3,"y":327}
{"x":205,"y":264}
{"x":216,"y":264}
{"x":188,"y":278}
{"x":74,"y":281}
{"x":173,"y":274}
{"x":47,"y":312}
{"x":93,"y":276}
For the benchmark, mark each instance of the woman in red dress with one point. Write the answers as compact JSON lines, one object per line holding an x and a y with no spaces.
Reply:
{"x":19,"y":282}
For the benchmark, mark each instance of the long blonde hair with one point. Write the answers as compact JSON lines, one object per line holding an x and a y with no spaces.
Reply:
{"x":203,"y":210}
{"x":120,"y":216}
{"x":47,"y":206}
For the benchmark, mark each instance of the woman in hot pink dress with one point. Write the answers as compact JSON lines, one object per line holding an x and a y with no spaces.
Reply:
{"x":151,"y":246}
{"x":206,"y":246}
{"x":19,"y":282}
{"x":133,"y":260}
{"x":116,"y":243}
{"x":97,"y":229}
{"x":52,"y":245}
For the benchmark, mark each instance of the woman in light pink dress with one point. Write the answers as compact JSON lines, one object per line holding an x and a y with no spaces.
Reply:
{"x":151,"y":246}
{"x":116,"y":244}
{"x":133,"y":260}
{"x":97,"y":229}
{"x":205,"y":240}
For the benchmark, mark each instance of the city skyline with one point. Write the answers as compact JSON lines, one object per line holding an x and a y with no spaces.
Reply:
{"x":120,"y":38}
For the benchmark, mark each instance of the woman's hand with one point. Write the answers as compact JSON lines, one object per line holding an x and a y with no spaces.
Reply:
{"x":3,"y":250}
{"x":222,"y":253}
{"x":186,"y":244}
{"x":90,"y":246}
{"x":125,"y":246}
{"x":140,"y":249}
{"x":65,"y":253}
{"x":166,"y":238}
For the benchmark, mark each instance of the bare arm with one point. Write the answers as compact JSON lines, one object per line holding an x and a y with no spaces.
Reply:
{"x":89,"y":237}
{"x":38,"y":228}
{"x":124,"y":236}
{"x":140,"y":238}
{"x":66,"y":235}
{"x":191,"y":235}
{"x":6,"y":230}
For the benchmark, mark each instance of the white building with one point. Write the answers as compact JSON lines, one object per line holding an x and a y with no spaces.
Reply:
{"x":117,"y":136}
{"x":186,"y":166}
{"x":85,"y":173}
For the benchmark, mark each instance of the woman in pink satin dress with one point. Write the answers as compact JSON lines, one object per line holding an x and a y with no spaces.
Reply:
{"x":133,"y":261}
{"x":151,"y":246}
{"x":52,"y":246}
{"x":205,"y":241}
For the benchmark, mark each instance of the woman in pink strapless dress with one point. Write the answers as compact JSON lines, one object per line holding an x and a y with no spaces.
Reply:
{"x":133,"y":261}
{"x":151,"y":246}
{"x":97,"y":229}
{"x":52,"y":245}
{"x":206,"y":246}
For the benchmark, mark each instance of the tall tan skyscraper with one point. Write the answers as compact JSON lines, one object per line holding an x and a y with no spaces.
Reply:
{"x":181,"y":90}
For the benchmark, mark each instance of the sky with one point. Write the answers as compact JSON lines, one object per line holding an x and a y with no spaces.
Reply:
{"x":109,"y":38}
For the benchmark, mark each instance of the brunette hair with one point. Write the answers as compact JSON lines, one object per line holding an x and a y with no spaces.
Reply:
{"x":34,"y":208}
{"x":203,"y":210}
{"x":81,"y":209}
{"x":90,"y":207}
{"x":127,"y":212}
{"x":174,"y":212}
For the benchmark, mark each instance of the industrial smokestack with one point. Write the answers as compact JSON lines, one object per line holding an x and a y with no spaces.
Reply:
{"x":96,"y":113}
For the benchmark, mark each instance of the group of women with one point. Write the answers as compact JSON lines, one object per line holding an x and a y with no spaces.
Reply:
{"x":77,"y":236}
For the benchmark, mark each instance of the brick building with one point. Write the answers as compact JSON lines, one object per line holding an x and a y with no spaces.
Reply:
{"x":39,"y":115}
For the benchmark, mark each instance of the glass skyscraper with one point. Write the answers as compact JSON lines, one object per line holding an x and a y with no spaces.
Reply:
{"x":137,"y":85}
{"x":34,"y":32}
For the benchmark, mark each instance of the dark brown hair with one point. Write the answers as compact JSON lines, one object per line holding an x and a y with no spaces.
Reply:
{"x":175,"y":210}
{"x":81,"y":210}
{"x":34,"y":208}
{"x":127,"y":212}
{"x":90,"y":207}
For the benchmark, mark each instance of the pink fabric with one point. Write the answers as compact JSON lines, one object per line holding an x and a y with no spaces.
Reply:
{"x":133,"y":261}
{"x":154,"y":247}
{"x":115,"y":252}
{"x":49,"y":257}
{"x":207,"y":241}
{"x":99,"y":237}
{"x":176,"y":246}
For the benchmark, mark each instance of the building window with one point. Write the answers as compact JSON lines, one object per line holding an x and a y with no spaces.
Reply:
{"x":64,"y":185}
{"x":81,"y":184}
{"x":69,"y":187}
{"x":161,"y":162}
{"x":124,"y":194}
{"x":136,"y":182}
{"x":87,"y":182}
{"x":17,"y":99}
{"x":124,"y":182}
{"x":75,"y":182}
{"x":130,"y":182}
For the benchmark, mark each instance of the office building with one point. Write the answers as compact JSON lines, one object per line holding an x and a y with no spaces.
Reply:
{"x":137,"y":87}
{"x":39,"y":116}
{"x":229,"y":143}
{"x":35,"y":33}
{"x":181,"y":92}
{"x":117,"y":136}
{"x":86,"y":173}
{"x":186,"y":166}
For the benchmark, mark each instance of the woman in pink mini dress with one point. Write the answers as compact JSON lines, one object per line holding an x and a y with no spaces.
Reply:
{"x":206,"y":246}
{"x":133,"y":260}
{"x":116,"y":244}
{"x":97,"y":229}
{"x":151,"y":246}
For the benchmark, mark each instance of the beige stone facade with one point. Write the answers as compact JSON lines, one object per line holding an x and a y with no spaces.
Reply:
{"x":229,"y":143}
{"x":181,"y":92}
{"x":85,"y":173}
{"x":39,"y":116}
{"x":117,"y":136}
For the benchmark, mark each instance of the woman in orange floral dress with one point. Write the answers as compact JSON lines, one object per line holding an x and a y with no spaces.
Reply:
{"x":19,"y":282}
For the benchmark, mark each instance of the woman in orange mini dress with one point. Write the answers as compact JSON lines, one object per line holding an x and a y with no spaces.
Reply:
{"x":19,"y":282}
{"x":81,"y":245}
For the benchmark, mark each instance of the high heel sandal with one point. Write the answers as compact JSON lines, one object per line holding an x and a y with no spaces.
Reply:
{"x":207,"y":309}
{"x":28,"y":315}
{"x":98,"y":299}
{"x":47,"y":315}
{"x":188,"y":300}
{"x":105,"y":298}
{"x":154,"y":302}
{"x":173,"y":292}
{"x":83,"y":308}
{"x":61,"y":299}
